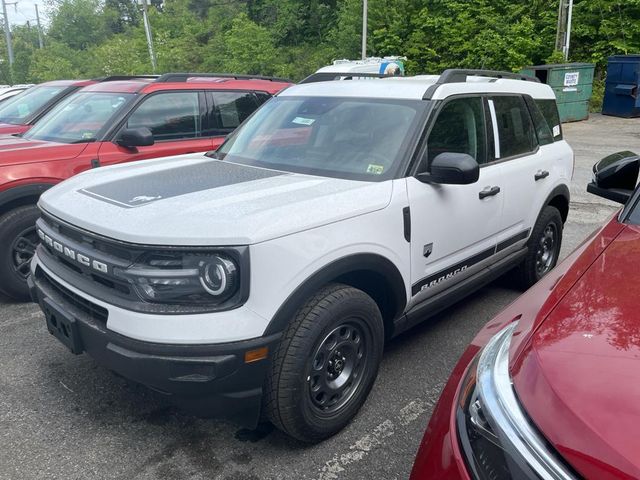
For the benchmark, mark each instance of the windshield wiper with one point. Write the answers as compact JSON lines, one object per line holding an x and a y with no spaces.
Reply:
{"x":86,"y":140}
{"x":212,"y":154}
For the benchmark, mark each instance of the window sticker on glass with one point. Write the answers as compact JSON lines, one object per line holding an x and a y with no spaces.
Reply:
{"x":556,"y":130}
{"x":375,"y":169}
{"x":303,"y":121}
{"x":571,"y":79}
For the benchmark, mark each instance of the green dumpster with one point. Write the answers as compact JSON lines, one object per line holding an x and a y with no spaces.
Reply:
{"x":572,"y":84}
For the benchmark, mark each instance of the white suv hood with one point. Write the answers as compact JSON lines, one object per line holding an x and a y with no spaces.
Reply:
{"x":195,"y":200}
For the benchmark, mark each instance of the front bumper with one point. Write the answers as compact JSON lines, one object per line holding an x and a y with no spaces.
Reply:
{"x":208,"y":379}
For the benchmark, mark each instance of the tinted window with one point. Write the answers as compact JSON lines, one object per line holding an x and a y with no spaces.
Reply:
{"x":17,"y":109}
{"x":352,"y":138}
{"x":543,"y":130}
{"x":549,"y":110}
{"x":169,"y":116}
{"x":459,"y":128}
{"x":514,"y":126}
{"x":232,"y":108}
{"x":79,"y":118}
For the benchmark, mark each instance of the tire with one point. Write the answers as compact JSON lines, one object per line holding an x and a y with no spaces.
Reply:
{"x":306,"y":366}
{"x":18,"y":238}
{"x":541,"y":256}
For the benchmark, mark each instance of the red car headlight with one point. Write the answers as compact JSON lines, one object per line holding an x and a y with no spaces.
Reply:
{"x":497,"y":437}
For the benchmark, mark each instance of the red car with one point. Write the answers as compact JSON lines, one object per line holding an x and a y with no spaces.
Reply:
{"x":550,"y":388}
{"x":19,"y":113}
{"x":108,"y":123}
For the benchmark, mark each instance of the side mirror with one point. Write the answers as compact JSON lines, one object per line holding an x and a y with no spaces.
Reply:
{"x":615,"y":177}
{"x":452,"y":169}
{"x":135,"y":137}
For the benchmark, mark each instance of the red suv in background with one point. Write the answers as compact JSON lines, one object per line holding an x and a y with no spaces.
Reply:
{"x":549,"y":388}
{"x":108,"y":123}
{"x":19,"y":113}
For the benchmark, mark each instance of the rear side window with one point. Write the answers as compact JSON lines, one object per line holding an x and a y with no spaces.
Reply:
{"x":549,"y":110}
{"x":543,"y":130}
{"x":232,"y":108}
{"x":515,"y":127}
{"x":459,"y":128}
{"x":169,"y":116}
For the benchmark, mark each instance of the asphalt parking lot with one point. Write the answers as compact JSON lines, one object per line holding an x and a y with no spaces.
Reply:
{"x":65,"y":417}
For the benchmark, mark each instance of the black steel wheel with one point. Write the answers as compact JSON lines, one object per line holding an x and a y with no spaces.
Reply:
{"x":325,"y":364}
{"x":547,"y":252}
{"x":23,"y":248}
{"x":543,"y":248}
{"x":18,"y":242}
{"x":337,"y":366}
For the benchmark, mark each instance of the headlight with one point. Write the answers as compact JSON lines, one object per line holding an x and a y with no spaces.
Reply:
{"x":185,"y":278}
{"x":497,"y":437}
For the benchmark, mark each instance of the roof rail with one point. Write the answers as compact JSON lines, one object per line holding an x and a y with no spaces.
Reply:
{"x":113,"y":78}
{"x":183,"y":77}
{"x":329,"y":76}
{"x":459,"y":75}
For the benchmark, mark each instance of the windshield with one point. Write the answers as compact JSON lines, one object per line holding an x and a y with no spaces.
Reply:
{"x":79,"y":118}
{"x":352,"y":138}
{"x":17,"y":109}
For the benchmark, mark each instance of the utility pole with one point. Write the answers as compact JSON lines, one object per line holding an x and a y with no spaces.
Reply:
{"x":147,"y":31}
{"x":563,"y":37}
{"x":568,"y":35}
{"x":7,"y":32}
{"x":40,"y":41}
{"x":364,"y":29}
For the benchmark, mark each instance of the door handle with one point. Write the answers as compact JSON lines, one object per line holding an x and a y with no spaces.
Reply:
{"x":489,"y":192}
{"x":541,"y":174}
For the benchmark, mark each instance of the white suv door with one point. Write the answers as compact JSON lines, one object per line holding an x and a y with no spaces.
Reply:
{"x":453,"y":227}
{"x":527,"y":168}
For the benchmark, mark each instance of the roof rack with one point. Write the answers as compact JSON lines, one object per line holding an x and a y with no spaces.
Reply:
{"x":329,"y":76}
{"x":459,"y":75}
{"x":114,"y":78}
{"x":183,"y":77}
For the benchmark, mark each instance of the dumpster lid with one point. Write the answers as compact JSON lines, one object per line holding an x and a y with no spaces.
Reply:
{"x":624,"y":57}
{"x":560,"y":65}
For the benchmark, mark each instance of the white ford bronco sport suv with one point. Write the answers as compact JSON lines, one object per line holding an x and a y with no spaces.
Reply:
{"x":267,"y":276}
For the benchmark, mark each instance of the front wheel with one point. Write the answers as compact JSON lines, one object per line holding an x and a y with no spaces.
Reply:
{"x":543,"y":247}
{"x":18,"y":242}
{"x":325,"y":364}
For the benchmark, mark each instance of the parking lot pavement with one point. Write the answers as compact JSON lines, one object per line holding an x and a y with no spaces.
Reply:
{"x":65,"y":417}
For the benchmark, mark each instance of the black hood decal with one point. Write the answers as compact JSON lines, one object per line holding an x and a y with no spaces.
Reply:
{"x":146,"y":188}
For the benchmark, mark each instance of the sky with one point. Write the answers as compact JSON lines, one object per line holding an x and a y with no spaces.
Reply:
{"x":25,"y":11}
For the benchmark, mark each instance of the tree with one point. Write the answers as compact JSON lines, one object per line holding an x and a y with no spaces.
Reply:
{"x":78,"y":24}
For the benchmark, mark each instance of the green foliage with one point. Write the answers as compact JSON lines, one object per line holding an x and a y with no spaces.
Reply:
{"x":292,"y":38}
{"x":55,"y":61}
{"x":595,"y":103}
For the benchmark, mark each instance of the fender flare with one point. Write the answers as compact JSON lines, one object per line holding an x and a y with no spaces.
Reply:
{"x":23,"y":191}
{"x":367,"y":262}
{"x":559,"y":191}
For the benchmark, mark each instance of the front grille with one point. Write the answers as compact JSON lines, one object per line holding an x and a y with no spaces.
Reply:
{"x":66,"y":296}
{"x":95,"y":247}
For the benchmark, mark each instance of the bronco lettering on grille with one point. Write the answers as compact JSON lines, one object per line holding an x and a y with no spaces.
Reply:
{"x":72,"y":254}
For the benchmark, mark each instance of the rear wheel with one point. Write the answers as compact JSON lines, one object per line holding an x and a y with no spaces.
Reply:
{"x":543,"y":247}
{"x":19,"y":240}
{"x":325,"y":364}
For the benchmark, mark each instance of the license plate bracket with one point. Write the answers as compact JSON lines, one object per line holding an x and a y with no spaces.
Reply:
{"x":62,"y":325}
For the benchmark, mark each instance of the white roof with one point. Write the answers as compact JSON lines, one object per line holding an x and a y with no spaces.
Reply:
{"x":414,"y":88}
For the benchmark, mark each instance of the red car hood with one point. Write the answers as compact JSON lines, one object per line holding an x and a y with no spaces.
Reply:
{"x":16,"y":150}
{"x":578,"y":376}
{"x":10,"y":129}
